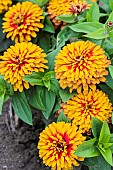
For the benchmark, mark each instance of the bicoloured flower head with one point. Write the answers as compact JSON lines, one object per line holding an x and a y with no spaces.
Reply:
{"x":83,"y":106}
{"x":81,"y":65}
{"x":57,"y":145}
{"x":4,"y":5}
{"x":20,"y":60}
{"x":22,"y":21}
{"x":63,"y":7}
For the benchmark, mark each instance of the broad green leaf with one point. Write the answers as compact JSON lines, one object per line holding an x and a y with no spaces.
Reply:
{"x":106,"y":145}
{"x":41,"y":3}
{"x":36,"y":99}
{"x":48,"y":26}
{"x":65,"y":95}
{"x":21,"y":107}
{"x":87,"y":149}
{"x":111,"y":141}
{"x":109,"y":80}
{"x":98,"y":34}
{"x":94,"y":13}
{"x":86,"y":27}
{"x":111,"y":70}
{"x":54,"y":85}
{"x":35,"y":78}
{"x":111,"y":35}
{"x":67,"y":18}
{"x":104,"y":133}
{"x":96,"y":127}
{"x":51,"y":58}
{"x":63,"y":118}
{"x":111,"y":4}
{"x":47,"y":84}
{"x":66,"y":34}
{"x":107,"y":155}
{"x":110,"y":17}
{"x":48,"y":98}
{"x":104,"y":4}
{"x":44,"y":41}
{"x":106,"y":89}
{"x":97,"y":163}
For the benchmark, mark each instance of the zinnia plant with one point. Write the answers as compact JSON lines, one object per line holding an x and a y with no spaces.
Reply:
{"x":22,"y":21}
{"x":82,"y":107}
{"x":20,"y":60}
{"x":56,"y":59}
{"x":57,"y":145}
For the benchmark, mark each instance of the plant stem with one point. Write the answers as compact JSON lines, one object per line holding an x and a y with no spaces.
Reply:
{"x":102,"y":43}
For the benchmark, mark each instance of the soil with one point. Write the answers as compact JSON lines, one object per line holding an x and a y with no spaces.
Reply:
{"x":18,"y":151}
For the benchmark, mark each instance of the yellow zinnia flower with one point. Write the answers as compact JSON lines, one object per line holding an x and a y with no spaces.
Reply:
{"x":20,"y":60}
{"x":81,"y":64}
{"x":4,"y":5}
{"x":22,"y":21}
{"x":63,"y":7}
{"x":57,"y":144}
{"x":83,"y":106}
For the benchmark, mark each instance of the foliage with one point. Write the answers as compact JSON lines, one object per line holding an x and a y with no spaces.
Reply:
{"x":44,"y":93}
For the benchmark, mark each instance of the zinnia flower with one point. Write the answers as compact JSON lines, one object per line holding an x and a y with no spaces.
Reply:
{"x":20,"y":60}
{"x":83,"y":106}
{"x":81,"y":64}
{"x":4,"y":5}
{"x":22,"y":21}
{"x":63,"y":7}
{"x":57,"y":145}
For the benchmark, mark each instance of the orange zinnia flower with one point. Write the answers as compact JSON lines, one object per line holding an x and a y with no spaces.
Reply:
{"x":81,"y":64}
{"x":20,"y":60}
{"x":4,"y":5}
{"x":22,"y":21}
{"x":82,"y":106}
{"x":57,"y":145}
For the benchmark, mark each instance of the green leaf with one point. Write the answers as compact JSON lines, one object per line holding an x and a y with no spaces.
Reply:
{"x":98,"y":34}
{"x":105,"y":133}
{"x":51,"y":58}
{"x":111,"y":35}
{"x":48,"y":98}
{"x":36,"y":99}
{"x":109,"y":79}
{"x":41,"y":3}
{"x":54,"y":85}
{"x":106,"y":89}
{"x":48,"y":26}
{"x":44,"y":41}
{"x":35,"y":78}
{"x":96,"y":127}
{"x":63,"y":118}
{"x":107,"y":155}
{"x":86,"y":27}
{"x":105,"y":5}
{"x":65,"y":95}
{"x":21,"y":107}
{"x":47,"y":84}
{"x":97,"y":163}
{"x":67,"y":18}
{"x":1,"y":101}
{"x":106,"y":145}
{"x":111,"y":4}
{"x":87,"y":149}
{"x":94,"y":13}
{"x":111,"y":70}
{"x":66,"y":34}
{"x":110,"y":17}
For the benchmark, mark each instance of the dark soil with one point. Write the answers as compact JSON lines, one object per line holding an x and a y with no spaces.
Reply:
{"x":18,"y":151}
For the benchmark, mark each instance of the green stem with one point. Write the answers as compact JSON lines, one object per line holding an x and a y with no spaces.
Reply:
{"x":102,"y":43}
